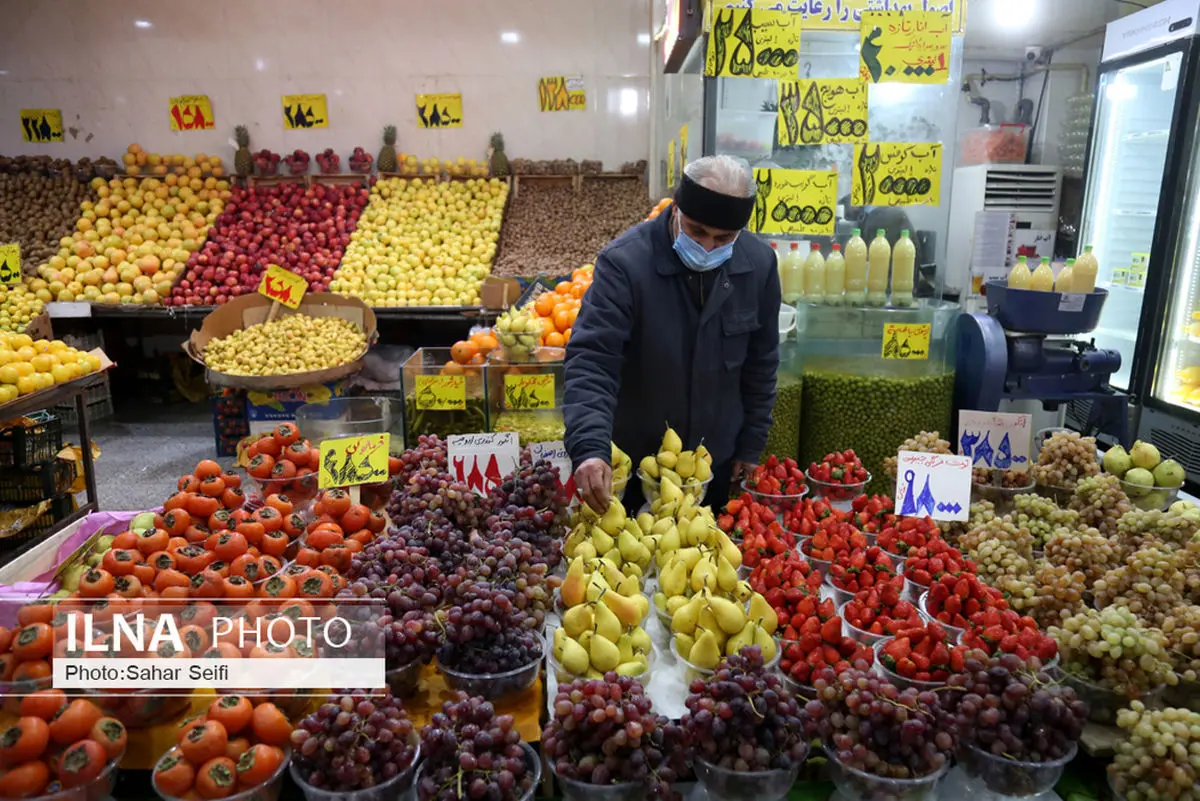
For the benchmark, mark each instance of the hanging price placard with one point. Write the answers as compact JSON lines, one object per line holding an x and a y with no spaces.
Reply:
{"x":794,"y":202}
{"x":897,"y":174}
{"x":301,"y":112}
{"x":481,"y":461}
{"x":283,"y":285}
{"x":441,"y":393}
{"x":846,"y":15}
{"x":995,"y":439}
{"x":937,"y":485}
{"x":561,"y":93}
{"x":439,"y":111}
{"x":908,"y":341}
{"x":10,"y":263}
{"x":753,"y":43}
{"x":529,"y":391}
{"x":823,"y":111}
{"x":191,"y":113}
{"x":41,"y":125}
{"x":350,"y":461}
{"x":905,"y":47}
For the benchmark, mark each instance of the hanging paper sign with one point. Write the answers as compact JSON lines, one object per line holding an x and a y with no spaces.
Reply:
{"x":41,"y":125}
{"x":846,"y":15}
{"x":528,"y":392}
{"x":671,"y":163}
{"x":305,"y":111}
{"x":561,"y":93}
{"x":937,"y":485}
{"x":755,"y":43}
{"x":822,"y":111}
{"x":905,"y":47}
{"x":794,"y":202}
{"x":908,"y":341}
{"x":283,"y":285}
{"x":556,"y":454}
{"x":995,"y":439}
{"x":10,"y":263}
{"x":897,"y":174}
{"x":683,"y":144}
{"x":191,"y":113}
{"x":481,"y":461}
{"x":439,"y":111}
{"x":349,"y":461}
{"x":441,"y":393}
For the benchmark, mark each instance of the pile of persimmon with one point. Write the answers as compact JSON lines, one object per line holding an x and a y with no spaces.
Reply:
{"x":281,"y":462}
{"x":235,"y":746}
{"x":341,"y":529}
{"x":26,"y":651}
{"x":57,"y":744}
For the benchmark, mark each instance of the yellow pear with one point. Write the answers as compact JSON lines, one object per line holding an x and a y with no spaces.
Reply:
{"x":573,"y":657}
{"x":705,"y":653}
{"x":629,"y":546}
{"x":626,"y":610}
{"x":633,"y":668}
{"x":719,"y":637}
{"x":633,"y":569}
{"x":683,"y":644}
{"x":602,"y":541}
{"x":660,"y":600}
{"x":730,"y":551}
{"x":585,"y":639}
{"x":613,"y":519}
{"x":649,"y":467}
{"x":703,"y":455}
{"x":690,"y":557}
{"x":586,"y":550}
{"x":662,"y":526}
{"x":574,"y":584}
{"x":767,"y":643}
{"x":578,"y":619}
{"x":671,"y":441}
{"x":607,"y":624}
{"x":596,"y":587}
{"x":685,"y":464}
{"x":631,"y":525}
{"x":675,"y":602}
{"x":613,"y":555}
{"x":744,"y":591}
{"x":604,"y":653}
{"x":667,"y":474}
{"x":730,"y":616}
{"x":646,"y":523}
{"x":704,"y":574}
{"x":740,"y":640}
{"x":669,"y":492}
{"x":763,"y":614}
{"x":642,"y":604}
{"x":698,"y":531}
{"x":703,"y":471}
{"x":640,"y":640}
{"x":560,"y":634}
{"x":629,"y":586}
{"x":666,"y":460}
{"x":684,"y":620}
{"x":625,"y":647}
{"x":707,"y":620}
{"x":727,"y":577}
{"x":673,"y":578}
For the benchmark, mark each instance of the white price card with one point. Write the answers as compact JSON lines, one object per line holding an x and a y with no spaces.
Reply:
{"x":483,"y":461}
{"x":556,"y":454}
{"x":933,"y":484}
{"x":1071,"y":301}
{"x":995,"y":439}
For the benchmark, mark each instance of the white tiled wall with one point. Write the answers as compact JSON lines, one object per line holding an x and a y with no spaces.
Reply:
{"x":110,"y":65}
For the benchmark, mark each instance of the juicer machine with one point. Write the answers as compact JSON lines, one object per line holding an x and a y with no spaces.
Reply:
{"x":1027,"y":348}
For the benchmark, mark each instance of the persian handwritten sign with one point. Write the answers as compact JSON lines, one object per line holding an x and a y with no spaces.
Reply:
{"x":561,"y":93}
{"x":671,"y":163}
{"x":822,"y":111}
{"x":441,"y":393}
{"x":995,"y":439}
{"x":301,"y":112}
{"x":908,"y":341}
{"x":535,"y":391}
{"x":794,"y":202}
{"x":897,"y":174}
{"x":481,"y":461}
{"x":191,"y":113}
{"x":10,"y":263}
{"x":905,"y":47}
{"x":556,"y":454}
{"x":283,"y":285}
{"x":748,"y":43}
{"x":933,"y":484}
{"x":846,"y":15}
{"x":350,"y":461}
{"x":439,"y":111}
{"x":41,"y":125}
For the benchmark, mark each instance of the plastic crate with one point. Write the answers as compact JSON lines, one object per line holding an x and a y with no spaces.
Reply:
{"x":26,"y":446}
{"x":60,"y":507}
{"x":33,"y":484}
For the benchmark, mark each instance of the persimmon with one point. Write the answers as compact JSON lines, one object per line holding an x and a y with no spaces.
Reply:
{"x":207,"y":468}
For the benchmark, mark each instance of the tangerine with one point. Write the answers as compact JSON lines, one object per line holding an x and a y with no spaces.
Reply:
{"x":555,"y":340}
{"x":562,"y":320}
{"x":463,"y":351}
{"x":486,"y":342}
{"x":544,"y":304}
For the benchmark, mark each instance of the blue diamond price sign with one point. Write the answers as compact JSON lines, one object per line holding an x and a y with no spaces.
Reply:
{"x":936,"y":485}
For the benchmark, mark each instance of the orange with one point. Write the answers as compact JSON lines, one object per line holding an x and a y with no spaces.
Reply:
{"x":555,"y":340}
{"x":562,"y":320}
{"x":544,"y":304}
{"x":463,"y":351}
{"x":452,"y":368}
{"x":486,"y":342}
{"x":577,"y":290}
{"x":563,"y":287}
{"x":566,"y":336}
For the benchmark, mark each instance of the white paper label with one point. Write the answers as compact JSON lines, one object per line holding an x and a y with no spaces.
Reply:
{"x":1071,"y":301}
{"x":933,"y":484}
{"x":995,"y":439}
{"x":482,"y":461}
{"x":556,"y":453}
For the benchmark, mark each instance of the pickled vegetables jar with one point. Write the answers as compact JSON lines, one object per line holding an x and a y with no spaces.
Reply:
{"x":783,"y":440}
{"x":528,"y":397}
{"x":873,"y":378}
{"x":442,"y":396}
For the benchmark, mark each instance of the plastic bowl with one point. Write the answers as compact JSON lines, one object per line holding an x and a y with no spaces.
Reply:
{"x":855,"y":633}
{"x":779,"y":504}
{"x":495,"y":685}
{"x":1060,"y":495}
{"x":532,"y":761}
{"x":1150,"y":498}
{"x":575,"y":790}
{"x":896,"y":678}
{"x":692,"y":672}
{"x":403,"y":681}
{"x":839,"y":496}
{"x":1103,"y":703}
{"x":913,"y":591}
{"x":142,"y":709}
{"x":1010,"y":777}
{"x":565,"y":676}
{"x":267,"y":791}
{"x":1002,"y":497}
{"x":955,"y":632}
{"x":724,"y":784}
{"x":394,"y":787}
{"x":857,"y":784}
{"x":292,"y":703}
{"x":97,"y":789}
{"x":799,"y":690}
{"x":650,"y":487}
{"x":301,"y":490}
{"x":819,"y":565}
{"x":1184,"y":695}
{"x":11,"y":692}
{"x":840,"y":597}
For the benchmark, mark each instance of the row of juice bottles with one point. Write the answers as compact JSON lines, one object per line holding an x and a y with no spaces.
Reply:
{"x":860,"y":276}
{"x":1079,"y":275}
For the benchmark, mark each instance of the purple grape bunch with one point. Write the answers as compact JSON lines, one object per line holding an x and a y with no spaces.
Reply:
{"x":483,"y":630}
{"x":354,"y":741}
{"x":471,"y":752}
{"x":530,"y":505}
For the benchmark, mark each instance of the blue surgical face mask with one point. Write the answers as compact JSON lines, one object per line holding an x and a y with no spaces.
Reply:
{"x":695,"y":257}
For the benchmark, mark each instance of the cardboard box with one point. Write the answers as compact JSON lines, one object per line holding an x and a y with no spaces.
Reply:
{"x":249,"y":310}
{"x":265,"y":410}
{"x":499,"y":293}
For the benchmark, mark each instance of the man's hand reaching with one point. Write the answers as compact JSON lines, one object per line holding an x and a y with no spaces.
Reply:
{"x":593,"y":480}
{"x":741,"y":471}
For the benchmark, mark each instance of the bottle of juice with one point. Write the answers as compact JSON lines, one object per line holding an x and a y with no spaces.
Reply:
{"x":792,"y":275}
{"x":1019,"y":277}
{"x":1043,"y":277}
{"x":1066,"y":278}
{"x":814,"y":275}
{"x":1086,"y":267}
{"x":835,"y":276}
{"x":856,"y":269}
{"x":879,"y":259}
{"x":904,"y":262}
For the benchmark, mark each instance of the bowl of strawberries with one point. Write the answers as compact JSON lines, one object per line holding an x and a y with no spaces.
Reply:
{"x":951,"y":601}
{"x":922,"y":656}
{"x":1003,"y":631}
{"x":821,"y":643}
{"x":928,"y":563}
{"x":906,"y":534}
{"x":879,"y":612}
{"x":830,"y":540}
{"x":856,"y":570}
{"x":778,"y":485}
{"x":839,"y":478}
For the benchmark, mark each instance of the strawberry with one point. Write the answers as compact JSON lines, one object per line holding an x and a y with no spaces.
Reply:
{"x":831,"y":630}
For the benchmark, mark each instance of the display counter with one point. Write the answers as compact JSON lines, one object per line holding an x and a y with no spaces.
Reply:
{"x":528,"y":397}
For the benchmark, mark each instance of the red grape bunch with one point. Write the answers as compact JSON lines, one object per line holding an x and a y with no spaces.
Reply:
{"x":471,"y":752}
{"x":484,"y":631}
{"x":354,"y":741}
{"x":531,"y":505}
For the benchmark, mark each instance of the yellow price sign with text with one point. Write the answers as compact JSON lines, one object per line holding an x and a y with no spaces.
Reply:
{"x":439,"y":111}
{"x":846,"y":15}
{"x":561,"y":93}
{"x":906,"y":340}
{"x":753,"y":43}
{"x":897,"y":174}
{"x":41,"y":125}
{"x":10,"y":263}
{"x":905,"y":47}
{"x":191,"y":113}
{"x":349,"y":461}
{"x":305,"y":111}
{"x":529,"y":391}
{"x":794,"y":202}
{"x":441,"y":393}
{"x":822,"y":111}
{"x":683,"y":144}
{"x":283,"y":285}
{"x":671,"y":163}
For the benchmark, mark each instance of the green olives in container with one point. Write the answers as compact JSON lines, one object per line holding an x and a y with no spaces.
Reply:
{"x":441,"y":396}
{"x":783,"y":439}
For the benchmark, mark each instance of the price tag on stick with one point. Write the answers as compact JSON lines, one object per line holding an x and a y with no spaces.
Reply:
{"x":283,"y":287}
{"x":10,"y":263}
{"x":351,"y":461}
{"x":995,"y":439}
{"x":933,"y":484}
{"x":481,"y":461}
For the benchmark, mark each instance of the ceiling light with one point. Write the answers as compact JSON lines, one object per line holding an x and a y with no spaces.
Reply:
{"x":1013,"y":14}
{"x":510,"y":37}
{"x":627,"y":103}
{"x":143,"y":23}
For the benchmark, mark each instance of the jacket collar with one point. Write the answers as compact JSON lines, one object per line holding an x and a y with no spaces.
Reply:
{"x":671,"y":264}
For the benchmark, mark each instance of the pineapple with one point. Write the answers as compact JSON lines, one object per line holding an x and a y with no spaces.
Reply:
{"x":242,"y":160}
{"x":498,"y":161}
{"x":387,"y":153}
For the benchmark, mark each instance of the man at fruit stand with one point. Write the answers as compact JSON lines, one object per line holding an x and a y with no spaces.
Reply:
{"x":679,"y":328}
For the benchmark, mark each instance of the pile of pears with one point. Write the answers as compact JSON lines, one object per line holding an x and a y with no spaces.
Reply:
{"x":708,"y":628}
{"x":613,"y":538}
{"x":519,"y":332}
{"x":622,"y":466}
{"x":601,"y":627}
{"x":672,"y":465}
{"x":70,"y":577}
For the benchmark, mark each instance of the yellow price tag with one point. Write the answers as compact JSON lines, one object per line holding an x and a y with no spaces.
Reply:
{"x":41,"y":125}
{"x":10,"y":263}
{"x":439,"y":111}
{"x":794,"y":202}
{"x":529,"y":391}
{"x":441,"y":393}
{"x":683,"y":144}
{"x":305,"y":111}
{"x":906,"y":340}
{"x":824,"y":111}
{"x":561,"y":93}
{"x":191,"y":113}
{"x":846,"y":15}
{"x":753,"y":43}
{"x":671,"y":163}
{"x":283,"y":285}
{"x":349,"y":461}
{"x":905,"y":47}
{"x":897,"y":174}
